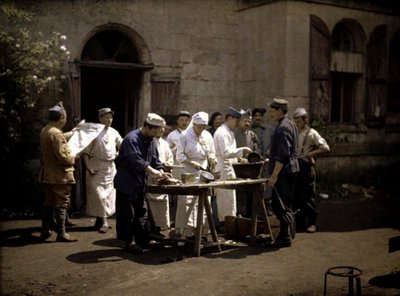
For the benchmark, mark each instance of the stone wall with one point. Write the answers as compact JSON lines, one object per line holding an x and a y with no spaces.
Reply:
{"x":226,"y":54}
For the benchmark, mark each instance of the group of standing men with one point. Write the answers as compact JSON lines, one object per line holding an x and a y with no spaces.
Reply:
{"x":117,"y":169}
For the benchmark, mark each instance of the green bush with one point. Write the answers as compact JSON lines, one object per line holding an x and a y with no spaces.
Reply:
{"x":29,"y":66}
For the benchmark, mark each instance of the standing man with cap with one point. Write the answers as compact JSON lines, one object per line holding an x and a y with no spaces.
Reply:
{"x":99,"y":158}
{"x":159,"y":203}
{"x":310,"y":145}
{"x":182,"y":121}
{"x":57,"y":173}
{"x":283,"y":168}
{"x":227,"y":154}
{"x":245,"y":137}
{"x":137,"y":158}
{"x":264,"y":132}
{"x":195,"y":151}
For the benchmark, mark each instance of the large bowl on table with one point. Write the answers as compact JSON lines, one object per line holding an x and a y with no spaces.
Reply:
{"x":248,"y":170}
{"x":206,"y":177}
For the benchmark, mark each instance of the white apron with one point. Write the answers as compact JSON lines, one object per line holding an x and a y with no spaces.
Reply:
{"x":159,"y":203}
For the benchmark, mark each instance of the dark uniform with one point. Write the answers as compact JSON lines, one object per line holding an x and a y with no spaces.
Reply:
{"x":136,"y":153}
{"x":283,"y":149}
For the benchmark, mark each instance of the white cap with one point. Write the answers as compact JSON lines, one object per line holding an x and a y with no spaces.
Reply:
{"x":155,"y":119}
{"x":299,"y":112}
{"x":200,"y":118}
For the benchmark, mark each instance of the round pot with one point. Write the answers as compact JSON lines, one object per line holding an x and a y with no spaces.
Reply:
{"x":206,"y":177}
{"x":254,"y":157}
{"x":248,"y":170}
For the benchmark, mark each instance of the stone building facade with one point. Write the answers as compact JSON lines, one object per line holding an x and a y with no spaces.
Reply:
{"x":339,"y":59}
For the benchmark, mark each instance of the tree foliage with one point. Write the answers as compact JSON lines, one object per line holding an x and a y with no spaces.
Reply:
{"x":29,"y":65}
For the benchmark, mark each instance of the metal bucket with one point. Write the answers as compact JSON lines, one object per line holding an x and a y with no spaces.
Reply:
{"x":248,"y":170}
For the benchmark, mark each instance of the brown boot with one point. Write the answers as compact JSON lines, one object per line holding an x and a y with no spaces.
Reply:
{"x":62,"y":236}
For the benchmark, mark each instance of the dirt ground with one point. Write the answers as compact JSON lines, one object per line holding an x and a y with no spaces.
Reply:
{"x":352,"y":231}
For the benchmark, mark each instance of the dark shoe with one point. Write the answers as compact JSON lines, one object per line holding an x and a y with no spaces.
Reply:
{"x":66,"y":238}
{"x":282,"y":243}
{"x":97,"y":225}
{"x":104,"y":229}
{"x":133,"y":248}
{"x":45,"y":234}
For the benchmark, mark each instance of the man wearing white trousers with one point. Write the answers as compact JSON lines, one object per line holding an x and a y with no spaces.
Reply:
{"x":159,"y":203}
{"x":227,"y":153}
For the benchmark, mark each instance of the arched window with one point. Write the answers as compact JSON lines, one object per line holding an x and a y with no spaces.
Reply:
{"x":347,"y":73}
{"x":342,"y":38}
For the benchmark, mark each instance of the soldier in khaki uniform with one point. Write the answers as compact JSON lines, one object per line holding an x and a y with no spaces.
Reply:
{"x":57,"y":173}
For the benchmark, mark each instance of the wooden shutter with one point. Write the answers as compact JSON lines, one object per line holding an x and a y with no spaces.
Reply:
{"x":320,"y":85}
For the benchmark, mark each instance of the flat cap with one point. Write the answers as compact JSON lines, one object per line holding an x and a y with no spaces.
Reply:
{"x":154,"y":119}
{"x":299,"y":112}
{"x":279,"y":104}
{"x":183,"y":113}
{"x":103,"y":111}
{"x":259,"y":110}
{"x":233,"y":112}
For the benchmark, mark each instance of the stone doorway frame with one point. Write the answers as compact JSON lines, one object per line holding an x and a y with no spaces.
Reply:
{"x":143,"y":102}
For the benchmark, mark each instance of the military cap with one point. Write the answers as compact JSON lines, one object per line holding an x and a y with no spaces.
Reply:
{"x":245,"y":114}
{"x":279,"y":104}
{"x":103,"y":111}
{"x":56,"y":111}
{"x":233,"y":112}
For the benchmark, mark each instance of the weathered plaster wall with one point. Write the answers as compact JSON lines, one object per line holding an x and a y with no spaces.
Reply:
{"x":195,"y":42}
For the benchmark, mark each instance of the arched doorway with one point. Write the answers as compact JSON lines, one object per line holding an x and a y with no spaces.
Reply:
{"x":111,"y":75}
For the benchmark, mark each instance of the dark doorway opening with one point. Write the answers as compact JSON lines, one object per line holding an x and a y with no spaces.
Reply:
{"x":114,"y":88}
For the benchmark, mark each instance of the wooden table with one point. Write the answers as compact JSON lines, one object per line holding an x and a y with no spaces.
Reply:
{"x":256,"y":186}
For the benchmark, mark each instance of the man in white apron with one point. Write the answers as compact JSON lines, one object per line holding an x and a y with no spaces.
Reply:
{"x":227,"y":154}
{"x":159,"y":203}
{"x":98,"y":158}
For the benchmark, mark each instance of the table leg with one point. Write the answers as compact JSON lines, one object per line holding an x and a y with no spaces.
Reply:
{"x":211,"y":222}
{"x":199,"y":225}
{"x":267,"y":226}
{"x":253,"y":230}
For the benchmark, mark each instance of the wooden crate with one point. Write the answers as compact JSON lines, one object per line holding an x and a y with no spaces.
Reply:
{"x":240,"y":227}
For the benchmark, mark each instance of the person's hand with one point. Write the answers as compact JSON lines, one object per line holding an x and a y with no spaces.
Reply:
{"x":157,"y":174}
{"x":196,"y":165}
{"x":246,"y":150}
{"x":212,"y":162}
{"x":167,"y":168}
{"x":272,"y":180}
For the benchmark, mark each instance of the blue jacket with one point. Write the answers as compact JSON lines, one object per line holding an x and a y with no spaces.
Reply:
{"x":284,"y":147}
{"x":136,"y":153}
